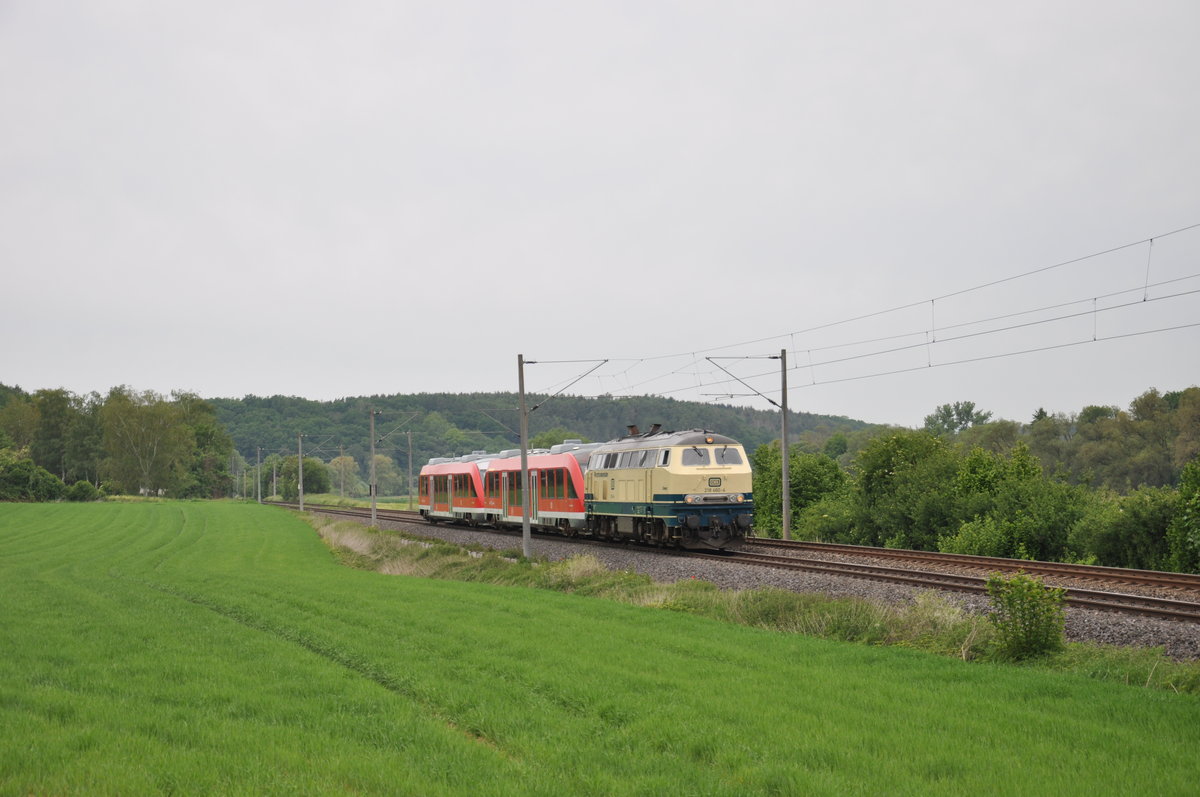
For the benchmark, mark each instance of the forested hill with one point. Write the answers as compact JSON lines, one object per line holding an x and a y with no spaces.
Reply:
{"x":445,"y":424}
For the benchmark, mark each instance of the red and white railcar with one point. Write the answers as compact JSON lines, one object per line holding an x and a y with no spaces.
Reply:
{"x":452,"y":489}
{"x":556,"y":496}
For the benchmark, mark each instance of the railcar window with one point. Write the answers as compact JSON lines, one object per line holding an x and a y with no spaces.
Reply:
{"x":664,"y":458}
{"x":695,"y":456}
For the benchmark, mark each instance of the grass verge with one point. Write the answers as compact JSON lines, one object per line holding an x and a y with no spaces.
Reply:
{"x":930,"y":623}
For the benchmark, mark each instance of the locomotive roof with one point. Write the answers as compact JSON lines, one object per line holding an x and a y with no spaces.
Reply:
{"x":689,"y":437}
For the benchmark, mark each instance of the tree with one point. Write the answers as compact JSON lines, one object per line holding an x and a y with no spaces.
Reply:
{"x":388,"y":477}
{"x":1183,"y":535}
{"x":18,"y":419}
{"x":998,"y":436}
{"x":49,"y":445}
{"x":903,"y":490}
{"x":22,"y":480}
{"x":1187,"y":421}
{"x":85,"y":440}
{"x":342,"y":471}
{"x":147,"y":441}
{"x":950,"y":419}
{"x":836,"y":445}
{"x":206,"y":471}
{"x":1136,"y":534}
{"x":553,"y":437}
{"x":316,"y":478}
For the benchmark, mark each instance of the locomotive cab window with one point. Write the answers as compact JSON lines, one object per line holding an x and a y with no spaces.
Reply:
{"x":727,"y":456}
{"x":664,"y":458}
{"x":695,"y":456}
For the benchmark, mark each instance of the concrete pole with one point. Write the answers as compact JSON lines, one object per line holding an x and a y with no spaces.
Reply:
{"x":526,"y":546}
{"x":787,"y":482}
{"x":373,"y":518}
{"x":410,"y":485}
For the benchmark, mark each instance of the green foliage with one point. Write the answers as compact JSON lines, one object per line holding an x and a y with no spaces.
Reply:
{"x":146,"y":440}
{"x":444,"y":424}
{"x":831,"y":519}
{"x":811,"y":478}
{"x":1183,"y":533}
{"x":836,"y":445}
{"x":316,"y":478}
{"x":949,"y":419}
{"x":983,"y":536}
{"x":1135,"y":535}
{"x":901,"y":490}
{"x":49,"y":445}
{"x":1027,"y":616}
{"x":82,"y":491}
{"x":18,"y":419}
{"x":22,"y":480}
{"x":552,"y":437}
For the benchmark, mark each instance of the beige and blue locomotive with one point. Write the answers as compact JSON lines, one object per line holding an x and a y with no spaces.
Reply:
{"x":689,"y":489}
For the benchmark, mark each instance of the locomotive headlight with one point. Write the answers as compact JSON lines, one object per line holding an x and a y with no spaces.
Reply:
{"x":739,"y":498}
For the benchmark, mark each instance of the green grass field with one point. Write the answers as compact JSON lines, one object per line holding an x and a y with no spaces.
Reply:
{"x":221,"y":648}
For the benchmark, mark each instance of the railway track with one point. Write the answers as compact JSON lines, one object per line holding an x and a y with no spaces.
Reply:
{"x":1144,"y":605}
{"x":1185,"y":583}
{"x":1103,"y":600}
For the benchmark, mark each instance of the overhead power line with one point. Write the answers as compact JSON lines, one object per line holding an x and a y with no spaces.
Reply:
{"x":932,"y":336}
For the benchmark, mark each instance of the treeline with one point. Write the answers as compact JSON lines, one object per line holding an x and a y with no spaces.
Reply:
{"x":445,"y":424}
{"x":54,"y":444}
{"x":1106,"y":486}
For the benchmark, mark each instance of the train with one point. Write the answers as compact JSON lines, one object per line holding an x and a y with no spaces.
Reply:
{"x":688,"y":489}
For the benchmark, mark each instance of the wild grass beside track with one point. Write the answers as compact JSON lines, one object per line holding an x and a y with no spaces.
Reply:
{"x":930,"y":623}
{"x":220,"y":648}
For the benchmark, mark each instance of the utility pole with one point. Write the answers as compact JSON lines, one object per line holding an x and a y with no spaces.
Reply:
{"x":341,"y":471}
{"x":258,"y":475}
{"x":410,"y":489}
{"x":300,"y":468}
{"x":525,"y":532}
{"x":787,"y":482}
{"x":373,"y":489}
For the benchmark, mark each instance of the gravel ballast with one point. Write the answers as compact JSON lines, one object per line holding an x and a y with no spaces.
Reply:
{"x":1180,"y":640}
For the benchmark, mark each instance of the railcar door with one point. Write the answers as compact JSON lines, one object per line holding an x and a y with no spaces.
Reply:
{"x":504,"y":477}
{"x":534,"y":491}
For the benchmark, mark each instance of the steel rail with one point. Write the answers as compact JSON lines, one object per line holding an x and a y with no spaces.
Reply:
{"x":1165,"y":608}
{"x":1110,"y":575}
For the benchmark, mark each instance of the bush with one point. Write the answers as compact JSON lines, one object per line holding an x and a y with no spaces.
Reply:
{"x":1183,"y":535}
{"x":82,"y":491}
{"x":1027,"y":615}
{"x":21,"y":480}
{"x":979,"y":537}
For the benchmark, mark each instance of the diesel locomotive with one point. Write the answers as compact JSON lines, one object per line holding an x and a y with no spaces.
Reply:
{"x":689,"y":489}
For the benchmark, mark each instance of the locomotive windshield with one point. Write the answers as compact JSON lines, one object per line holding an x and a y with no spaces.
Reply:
{"x":723,"y":455}
{"x":727,"y":456}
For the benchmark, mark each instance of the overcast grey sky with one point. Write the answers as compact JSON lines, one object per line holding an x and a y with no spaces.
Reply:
{"x":335,"y":199}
